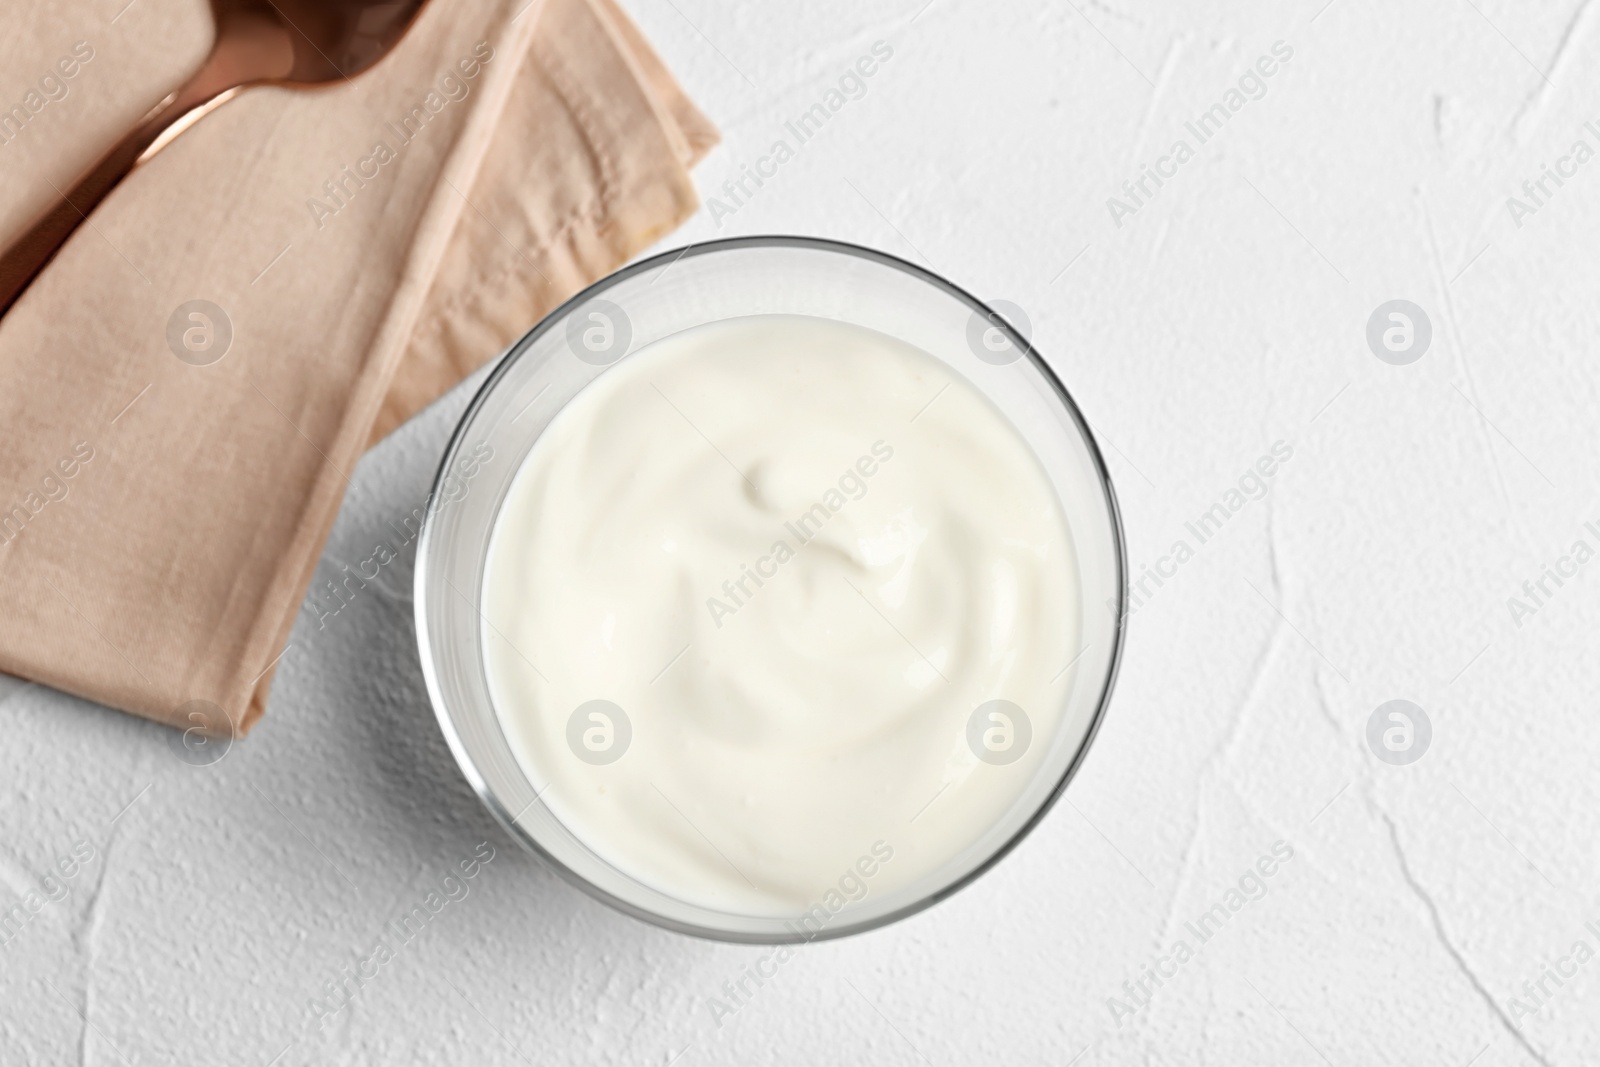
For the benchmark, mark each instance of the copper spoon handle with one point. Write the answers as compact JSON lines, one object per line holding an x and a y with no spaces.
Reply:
{"x":283,"y":42}
{"x":29,"y":253}
{"x":247,"y":48}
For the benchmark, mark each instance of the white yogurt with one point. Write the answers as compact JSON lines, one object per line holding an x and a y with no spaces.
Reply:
{"x":798,"y":556}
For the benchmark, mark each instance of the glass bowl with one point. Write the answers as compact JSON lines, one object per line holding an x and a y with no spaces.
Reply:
{"x":664,"y":295}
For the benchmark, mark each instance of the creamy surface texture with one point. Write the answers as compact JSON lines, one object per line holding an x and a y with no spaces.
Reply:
{"x":745,"y":598}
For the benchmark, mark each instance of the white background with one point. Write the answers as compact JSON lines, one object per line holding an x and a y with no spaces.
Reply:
{"x":1227,"y":314}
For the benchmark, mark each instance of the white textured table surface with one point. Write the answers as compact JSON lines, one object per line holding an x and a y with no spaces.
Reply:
{"x":1434,"y":912}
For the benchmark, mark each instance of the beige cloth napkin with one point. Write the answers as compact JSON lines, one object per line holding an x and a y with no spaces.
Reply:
{"x":368,"y":244}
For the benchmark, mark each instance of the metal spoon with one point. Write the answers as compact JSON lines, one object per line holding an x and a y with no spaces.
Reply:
{"x":299,"y":43}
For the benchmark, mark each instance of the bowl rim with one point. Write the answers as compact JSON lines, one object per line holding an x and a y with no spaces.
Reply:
{"x":503,"y":365}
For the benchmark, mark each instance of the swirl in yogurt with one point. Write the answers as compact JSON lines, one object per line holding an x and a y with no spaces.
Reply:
{"x":747,"y":593}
